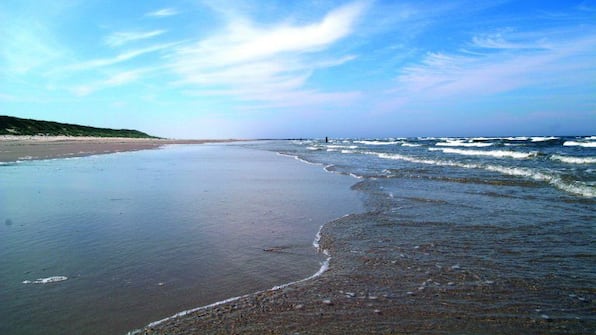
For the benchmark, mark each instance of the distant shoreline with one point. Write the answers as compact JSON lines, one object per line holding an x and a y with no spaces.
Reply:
{"x":23,"y":148}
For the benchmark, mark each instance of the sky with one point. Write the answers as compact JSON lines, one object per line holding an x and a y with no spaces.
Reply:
{"x":298,"y":69}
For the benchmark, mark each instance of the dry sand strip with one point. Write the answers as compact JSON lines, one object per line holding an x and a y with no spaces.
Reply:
{"x":19,"y":148}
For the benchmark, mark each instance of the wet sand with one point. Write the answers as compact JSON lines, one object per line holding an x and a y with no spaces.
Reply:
{"x":374,"y":287}
{"x":18,"y":148}
{"x":374,"y":284}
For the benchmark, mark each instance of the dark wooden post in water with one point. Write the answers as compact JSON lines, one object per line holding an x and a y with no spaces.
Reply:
{"x":326,"y":139}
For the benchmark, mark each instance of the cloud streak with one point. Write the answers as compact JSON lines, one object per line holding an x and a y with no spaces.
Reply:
{"x":164,"y":12}
{"x":257,"y":63}
{"x":453,"y":76}
{"x":117,"y":79}
{"x":24,"y":50}
{"x":120,"y":58}
{"x":120,"y":38}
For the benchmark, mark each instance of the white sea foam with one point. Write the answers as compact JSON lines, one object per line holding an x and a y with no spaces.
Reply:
{"x":299,"y":159}
{"x":342,"y":146}
{"x":317,"y":240}
{"x":353,"y":175}
{"x":573,"y":187}
{"x":324,"y":267}
{"x":406,"y":144}
{"x":53,"y":279}
{"x":543,"y":138}
{"x":490,"y":153}
{"x":517,"y":138}
{"x":313,"y":148}
{"x":574,"y":160}
{"x":463,"y":144}
{"x":580,"y":144}
{"x":485,"y":138}
{"x":377,"y":142}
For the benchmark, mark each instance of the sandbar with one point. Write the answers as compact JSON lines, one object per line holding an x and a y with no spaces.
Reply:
{"x":21,"y":148}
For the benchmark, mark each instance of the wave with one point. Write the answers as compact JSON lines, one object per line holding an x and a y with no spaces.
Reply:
{"x":377,"y":142}
{"x":324,"y":267}
{"x":406,"y":144}
{"x":298,"y":158}
{"x":573,"y":187}
{"x":580,"y":144}
{"x":491,"y":153}
{"x":333,"y":146}
{"x":482,"y":138}
{"x":573,"y":159}
{"x":53,"y":279}
{"x":463,"y":144}
{"x":517,"y":138}
{"x":544,"y":138}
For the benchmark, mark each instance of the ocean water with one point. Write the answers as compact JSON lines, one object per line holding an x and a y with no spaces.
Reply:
{"x":107,"y":244}
{"x":141,"y":236}
{"x":516,"y":214}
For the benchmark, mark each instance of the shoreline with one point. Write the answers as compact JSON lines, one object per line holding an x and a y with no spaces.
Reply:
{"x":374,"y":290}
{"x":375,"y":282}
{"x":324,"y":267}
{"x":212,"y":166}
{"x":24,"y":148}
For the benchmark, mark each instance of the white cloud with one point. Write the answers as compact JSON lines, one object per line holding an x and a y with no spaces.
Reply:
{"x":507,"y":39}
{"x":259,"y":63}
{"x":117,"y":79}
{"x":120,"y":38}
{"x":455,"y":76}
{"x":163,"y":12}
{"x":123,"y":57}
{"x":24,"y":50}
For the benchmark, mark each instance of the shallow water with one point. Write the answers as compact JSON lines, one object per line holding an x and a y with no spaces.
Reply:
{"x":510,"y":213}
{"x":140,"y":236}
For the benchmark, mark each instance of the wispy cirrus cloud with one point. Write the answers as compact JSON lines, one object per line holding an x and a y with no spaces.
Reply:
{"x":122,"y":57}
{"x":120,"y":38}
{"x":163,"y":12}
{"x":117,"y":79}
{"x":118,"y":75}
{"x":251,"y":62}
{"x":499,"y":65}
{"x":25,"y":50}
{"x":509,"y":39}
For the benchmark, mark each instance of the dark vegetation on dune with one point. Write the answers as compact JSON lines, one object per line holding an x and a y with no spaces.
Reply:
{"x":16,"y":126}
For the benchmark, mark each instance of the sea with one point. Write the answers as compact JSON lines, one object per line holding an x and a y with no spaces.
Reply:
{"x":107,"y":244}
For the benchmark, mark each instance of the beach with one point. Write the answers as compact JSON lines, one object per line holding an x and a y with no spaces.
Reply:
{"x":15,"y":148}
{"x":442,"y":247}
{"x":431,"y":249}
{"x":142,"y":235}
{"x":377,"y":289}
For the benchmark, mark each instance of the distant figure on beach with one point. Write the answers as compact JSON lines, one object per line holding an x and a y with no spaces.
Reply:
{"x":326,"y":139}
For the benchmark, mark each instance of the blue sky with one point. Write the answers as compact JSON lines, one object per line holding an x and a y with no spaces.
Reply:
{"x":256,"y":69}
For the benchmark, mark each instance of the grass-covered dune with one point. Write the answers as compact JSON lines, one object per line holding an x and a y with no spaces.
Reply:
{"x":16,"y":126}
